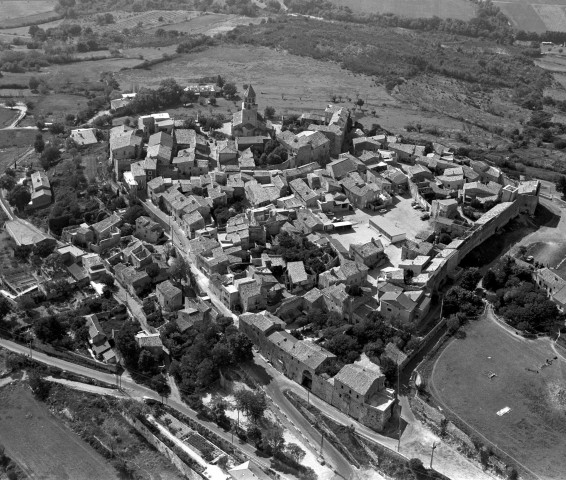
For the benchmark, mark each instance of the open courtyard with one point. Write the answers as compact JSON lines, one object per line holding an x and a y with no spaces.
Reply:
{"x":501,"y":385}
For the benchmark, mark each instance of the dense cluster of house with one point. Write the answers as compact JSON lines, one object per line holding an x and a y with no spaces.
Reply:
{"x":185,"y":178}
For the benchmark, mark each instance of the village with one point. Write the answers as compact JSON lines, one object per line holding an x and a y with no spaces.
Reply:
{"x":286,"y":230}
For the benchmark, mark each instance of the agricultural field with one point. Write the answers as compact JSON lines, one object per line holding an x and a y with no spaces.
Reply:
{"x":210,"y":24}
{"x":532,"y":431}
{"x":535,"y":16}
{"x":7,"y":116}
{"x":16,"y":12}
{"x":54,"y":107}
{"x":41,"y":444}
{"x":459,"y":9}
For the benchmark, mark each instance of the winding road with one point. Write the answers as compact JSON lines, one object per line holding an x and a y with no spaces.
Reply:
{"x":136,"y":392}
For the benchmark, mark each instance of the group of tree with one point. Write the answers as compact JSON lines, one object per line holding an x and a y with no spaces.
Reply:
{"x":273,"y":154}
{"x":519,"y":300}
{"x":201,"y":351}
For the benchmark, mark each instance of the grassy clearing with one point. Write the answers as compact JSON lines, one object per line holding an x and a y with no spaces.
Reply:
{"x":533,"y":431}
{"x":54,"y":107}
{"x":459,"y":9}
{"x":41,"y":444}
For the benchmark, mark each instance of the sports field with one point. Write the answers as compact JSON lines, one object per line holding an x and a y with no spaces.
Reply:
{"x":533,"y":431}
{"x":41,"y":444}
{"x":459,"y":9}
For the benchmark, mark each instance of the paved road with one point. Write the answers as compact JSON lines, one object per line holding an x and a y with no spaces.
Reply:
{"x":136,"y":392}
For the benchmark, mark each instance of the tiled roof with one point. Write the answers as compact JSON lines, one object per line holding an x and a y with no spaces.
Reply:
{"x":310,"y":354}
{"x":357,"y":378}
{"x":297,"y":272}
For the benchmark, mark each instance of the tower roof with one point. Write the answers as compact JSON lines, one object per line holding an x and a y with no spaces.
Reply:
{"x":250,"y":92}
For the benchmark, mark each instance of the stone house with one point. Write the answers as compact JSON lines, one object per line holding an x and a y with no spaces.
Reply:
{"x":369,"y":254}
{"x":148,"y":230}
{"x":169,"y":296}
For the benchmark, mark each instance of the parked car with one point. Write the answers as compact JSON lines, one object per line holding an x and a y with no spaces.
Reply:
{"x":383,"y":210}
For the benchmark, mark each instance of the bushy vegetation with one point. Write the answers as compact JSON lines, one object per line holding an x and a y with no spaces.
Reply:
{"x":201,"y":351}
{"x":489,"y":21}
{"x":519,"y":300}
{"x":393,"y":57}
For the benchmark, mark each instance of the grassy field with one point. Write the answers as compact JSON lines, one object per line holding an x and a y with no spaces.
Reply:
{"x":17,"y":138}
{"x":54,"y":107}
{"x":11,"y":9}
{"x":459,"y":9}
{"x":535,"y":16}
{"x":532,"y":432}
{"x":7,"y":116}
{"x":41,"y":444}
{"x":287,"y":82}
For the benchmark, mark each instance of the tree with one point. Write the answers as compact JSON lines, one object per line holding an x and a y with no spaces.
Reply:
{"x":470,"y":278}
{"x":179,"y":269}
{"x":7,"y":182}
{"x":49,"y":156}
{"x":43,"y":250}
{"x":147,"y":362}
{"x":39,"y":144}
{"x":107,"y":279}
{"x":561,"y":185}
{"x":240,"y":348}
{"x":230,"y":90}
{"x":39,"y":386}
{"x":33,"y":83}
{"x":252,"y":403}
{"x":160,"y":385}
{"x":10,"y":103}
{"x":269,"y":112}
{"x":273,"y":439}
{"x":489,"y":281}
{"x":212,"y":101}
{"x":453,"y":324}
{"x":153,"y":270}
{"x":49,"y":329}
{"x":416,"y":465}
{"x":360,"y":103}
{"x":295,"y":452}
{"x":19,"y":197}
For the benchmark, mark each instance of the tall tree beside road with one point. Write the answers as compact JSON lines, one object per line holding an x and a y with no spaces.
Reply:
{"x":39,"y":144}
{"x":253,"y":404}
{"x":179,"y":269}
{"x":19,"y":197}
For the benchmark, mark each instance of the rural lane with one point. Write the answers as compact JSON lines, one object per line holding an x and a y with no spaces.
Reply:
{"x":23,"y":109}
{"x":136,"y":392}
